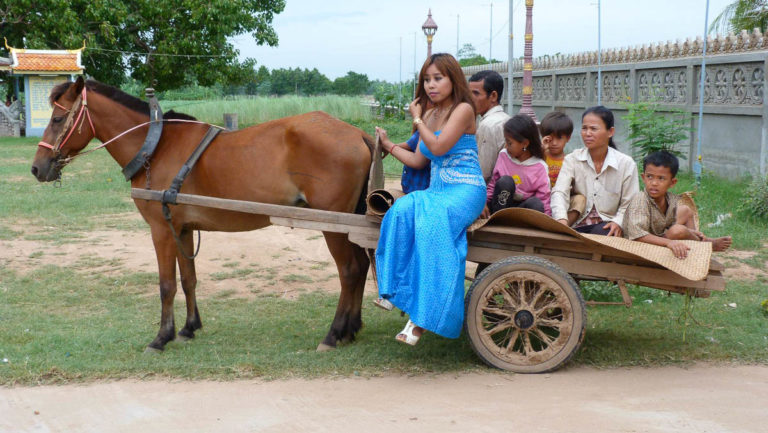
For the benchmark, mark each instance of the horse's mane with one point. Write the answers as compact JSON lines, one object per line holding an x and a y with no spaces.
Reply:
{"x":118,"y":96}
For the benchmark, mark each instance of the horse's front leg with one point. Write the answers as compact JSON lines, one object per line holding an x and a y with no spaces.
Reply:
{"x":165,"y":248}
{"x":188,"y":284}
{"x":352,"y":264}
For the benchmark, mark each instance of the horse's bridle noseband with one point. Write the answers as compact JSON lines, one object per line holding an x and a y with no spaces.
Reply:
{"x":82,"y":100}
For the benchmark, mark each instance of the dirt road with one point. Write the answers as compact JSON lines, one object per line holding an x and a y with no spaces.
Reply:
{"x":698,"y":399}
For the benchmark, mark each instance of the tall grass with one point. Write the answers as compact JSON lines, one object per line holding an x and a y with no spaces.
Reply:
{"x":254,"y":110}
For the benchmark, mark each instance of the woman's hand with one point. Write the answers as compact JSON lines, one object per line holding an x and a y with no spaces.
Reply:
{"x":563,"y":222}
{"x":486,"y":213}
{"x":613,"y":229}
{"x":386,"y":143}
{"x":416,"y":109}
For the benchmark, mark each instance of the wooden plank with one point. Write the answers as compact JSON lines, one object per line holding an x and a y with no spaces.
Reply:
{"x":259,"y":208}
{"x":609,"y":271}
{"x":364,"y":240}
{"x":322,"y":226}
{"x":525,"y":233}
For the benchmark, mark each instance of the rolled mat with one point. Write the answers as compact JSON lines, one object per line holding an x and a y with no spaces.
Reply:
{"x":694,"y":267}
{"x":380,"y":200}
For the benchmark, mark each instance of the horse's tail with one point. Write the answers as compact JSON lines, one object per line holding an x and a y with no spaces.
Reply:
{"x":361,"y":206}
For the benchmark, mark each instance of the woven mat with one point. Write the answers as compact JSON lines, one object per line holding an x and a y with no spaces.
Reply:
{"x":695,"y":267}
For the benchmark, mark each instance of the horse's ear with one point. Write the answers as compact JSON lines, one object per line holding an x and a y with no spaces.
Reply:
{"x":78,"y":86}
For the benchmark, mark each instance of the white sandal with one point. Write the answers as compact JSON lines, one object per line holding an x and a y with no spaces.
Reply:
{"x":407,"y":336}
{"x":384,"y":304}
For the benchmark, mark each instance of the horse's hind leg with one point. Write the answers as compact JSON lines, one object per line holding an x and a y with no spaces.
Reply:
{"x":188,"y":284}
{"x":165,"y":248}
{"x":352,"y":264}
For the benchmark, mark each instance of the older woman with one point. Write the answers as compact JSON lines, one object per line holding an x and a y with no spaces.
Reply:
{"x":606,"y":177}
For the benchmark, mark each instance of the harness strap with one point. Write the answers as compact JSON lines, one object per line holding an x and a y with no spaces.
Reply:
{"x":170,"y":194}
{"x":150,"y":142}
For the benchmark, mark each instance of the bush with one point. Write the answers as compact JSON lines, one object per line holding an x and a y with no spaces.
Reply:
{"x":756,"y":200}
{"x":652,"y":131}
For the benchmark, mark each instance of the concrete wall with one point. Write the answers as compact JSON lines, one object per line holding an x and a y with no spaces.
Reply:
{"x":735,"y":121}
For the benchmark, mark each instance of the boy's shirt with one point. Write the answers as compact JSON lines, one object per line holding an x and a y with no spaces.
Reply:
{"x":553,"y":166}
{"x":644,"y":217}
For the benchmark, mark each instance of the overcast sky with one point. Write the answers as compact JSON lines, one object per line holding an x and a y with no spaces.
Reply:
{"x":337,"y":36}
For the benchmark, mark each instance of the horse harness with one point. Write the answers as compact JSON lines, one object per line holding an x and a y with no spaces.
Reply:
{"x":141,"y":160}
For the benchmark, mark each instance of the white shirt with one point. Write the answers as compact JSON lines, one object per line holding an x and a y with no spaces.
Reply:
{"x":490,"y":138}
{"x":610,"y":191}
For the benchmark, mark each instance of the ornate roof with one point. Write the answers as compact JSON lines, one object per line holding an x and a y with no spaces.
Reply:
{"x":44,"y":61}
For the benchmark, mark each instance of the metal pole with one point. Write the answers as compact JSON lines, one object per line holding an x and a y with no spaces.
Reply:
{"x":415,"y":76}
{"x":457,"y":36}
{"x":697,"y":163}
{"x":599,"y":58}
{"x":400,"y":80}
{"x":510,"y":62}
{"x":490,"y":38}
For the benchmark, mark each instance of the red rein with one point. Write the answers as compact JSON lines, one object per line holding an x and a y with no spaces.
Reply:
{"x":80,"y":118}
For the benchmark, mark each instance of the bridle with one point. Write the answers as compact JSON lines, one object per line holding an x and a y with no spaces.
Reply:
{"x":80,"y":106}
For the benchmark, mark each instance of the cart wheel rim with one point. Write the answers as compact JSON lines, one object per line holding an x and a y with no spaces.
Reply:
{"x":525,"y":318}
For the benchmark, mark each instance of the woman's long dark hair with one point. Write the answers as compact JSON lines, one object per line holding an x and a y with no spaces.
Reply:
{"x":605,"y":115}
{"x":521,"y":127}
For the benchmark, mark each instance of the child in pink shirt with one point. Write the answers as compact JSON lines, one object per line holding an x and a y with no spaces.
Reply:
{"x":520,"y":177}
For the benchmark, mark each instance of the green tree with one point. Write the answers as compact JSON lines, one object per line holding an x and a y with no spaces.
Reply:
{"x":159,"y":43}
{"x":652,"y":130}
{"x":298,"y":81}
{"x":351,"y":84}
{"x":741,"y":15}
{"x":468,"y":56}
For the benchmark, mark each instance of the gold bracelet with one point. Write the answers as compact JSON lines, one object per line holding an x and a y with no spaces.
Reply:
{"x":417,"y":121}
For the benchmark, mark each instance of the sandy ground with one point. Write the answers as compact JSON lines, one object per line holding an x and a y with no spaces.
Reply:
{"x":697,"y":399}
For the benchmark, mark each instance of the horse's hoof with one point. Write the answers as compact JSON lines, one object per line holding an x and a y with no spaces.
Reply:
{"x":152,"y":350}
{"x":183,"y":338}
{"x":322,"y":347}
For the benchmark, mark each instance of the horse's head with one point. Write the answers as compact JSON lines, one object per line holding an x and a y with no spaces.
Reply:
{"x":65,"y":135}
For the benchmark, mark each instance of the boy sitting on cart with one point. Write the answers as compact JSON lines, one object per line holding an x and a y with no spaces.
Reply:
{"x":656,"y":216}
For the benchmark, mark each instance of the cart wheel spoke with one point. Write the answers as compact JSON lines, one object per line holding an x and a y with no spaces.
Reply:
{"x":498,"y":327}
{"x":512,"y":341}
{"x":496,"y":312}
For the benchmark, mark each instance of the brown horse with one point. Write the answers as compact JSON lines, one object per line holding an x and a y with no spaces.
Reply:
{"x":312,"y":159}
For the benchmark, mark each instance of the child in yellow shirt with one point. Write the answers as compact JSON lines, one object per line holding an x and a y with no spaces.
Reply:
{"x":556,"y":129}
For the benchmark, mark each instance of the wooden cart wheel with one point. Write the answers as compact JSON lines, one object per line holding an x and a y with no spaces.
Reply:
{"x":525,"y":314}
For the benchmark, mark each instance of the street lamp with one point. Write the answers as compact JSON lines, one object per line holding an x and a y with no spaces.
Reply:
{"x":527,"y":108}
{"x":429,"y":27}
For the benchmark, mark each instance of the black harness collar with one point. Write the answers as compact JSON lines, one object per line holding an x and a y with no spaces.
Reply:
{"x":153,"y":137}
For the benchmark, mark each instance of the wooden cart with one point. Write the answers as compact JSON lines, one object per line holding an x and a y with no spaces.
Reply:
{"x":524,"y":312}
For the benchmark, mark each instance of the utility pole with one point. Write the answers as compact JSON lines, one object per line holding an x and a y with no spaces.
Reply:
{"x":415,"y":73}
{"x":599,"y":59}
{"x":490,"y":37}
{"x":400,"y":80}
{"x":457,"y":36}
{"x":510,"y":63}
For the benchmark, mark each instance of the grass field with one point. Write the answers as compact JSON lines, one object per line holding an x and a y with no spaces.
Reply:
{"x":251,"y":111}
{"x":63,"y":324}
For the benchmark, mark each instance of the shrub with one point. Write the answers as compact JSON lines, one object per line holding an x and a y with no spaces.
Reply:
{"x":652,"y":131}
{"x":756,"y":200}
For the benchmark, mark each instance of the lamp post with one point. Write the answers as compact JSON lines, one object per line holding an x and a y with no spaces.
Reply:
{"x":527,"y":108}
{"x":429,"y":27}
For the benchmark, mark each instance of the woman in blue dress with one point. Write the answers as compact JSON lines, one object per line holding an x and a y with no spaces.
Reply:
{"x":422,"y":248}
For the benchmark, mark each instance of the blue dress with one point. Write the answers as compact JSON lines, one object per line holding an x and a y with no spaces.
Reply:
{"x":422,"y":250}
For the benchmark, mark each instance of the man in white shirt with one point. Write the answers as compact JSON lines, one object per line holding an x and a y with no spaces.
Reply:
{"x":486,"y":88}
